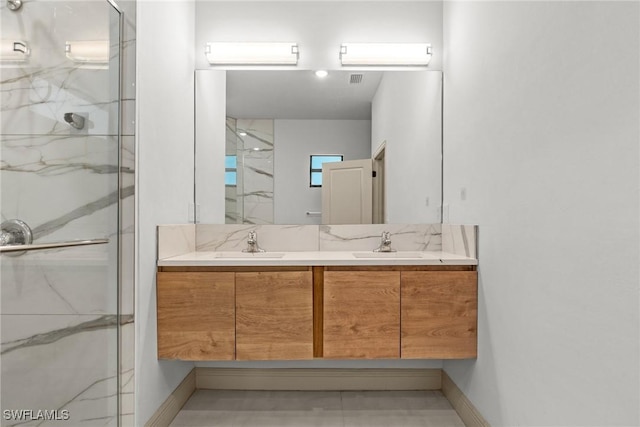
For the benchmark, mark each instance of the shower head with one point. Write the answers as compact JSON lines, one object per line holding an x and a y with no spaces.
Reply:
{"x":75,"y":120}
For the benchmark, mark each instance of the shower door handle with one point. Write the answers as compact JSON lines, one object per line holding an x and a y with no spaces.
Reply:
{"x":16,"y":236}
{"x":52,"y":245}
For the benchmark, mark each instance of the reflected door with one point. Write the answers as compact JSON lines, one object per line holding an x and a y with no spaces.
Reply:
{"x":347,"y":192}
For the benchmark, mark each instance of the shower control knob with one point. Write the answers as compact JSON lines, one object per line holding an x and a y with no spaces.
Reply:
{"x":14,"y":4}
{"x":15,"y":232}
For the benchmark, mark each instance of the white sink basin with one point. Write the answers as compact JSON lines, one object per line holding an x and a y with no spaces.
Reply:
{"x":249,"y":255}
{"x":401,"y":254}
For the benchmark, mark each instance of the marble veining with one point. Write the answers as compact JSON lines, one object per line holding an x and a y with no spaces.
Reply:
{"x":460,"y":239}
{"x":404,"y":237}
{"x":106,"y":321}
{"x":44,"y":95}
{"x":78,"y":173}
{"x":82,"y":211}
{"x":46,"y":284}
{"x":232,"y":237}
{"x":254,"y":169}
{"x":56,"y":155}
{"x":40,"y":153}
{"x":71,"y":359}
{"x":218,"y":239}
{"x":127,"y":371}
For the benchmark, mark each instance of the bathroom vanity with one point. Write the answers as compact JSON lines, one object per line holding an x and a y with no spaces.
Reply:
{"x":306,"y":304}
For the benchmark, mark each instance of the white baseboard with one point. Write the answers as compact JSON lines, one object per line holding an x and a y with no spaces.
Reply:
{"x":470,"y":416}
{"x":176,"y":400}
{"x":318,"y":379}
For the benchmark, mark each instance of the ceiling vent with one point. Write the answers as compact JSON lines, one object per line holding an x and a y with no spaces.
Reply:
{"x":355,"y":79}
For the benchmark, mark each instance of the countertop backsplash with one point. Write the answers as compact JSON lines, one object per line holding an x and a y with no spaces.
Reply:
{"x":177,"y":239}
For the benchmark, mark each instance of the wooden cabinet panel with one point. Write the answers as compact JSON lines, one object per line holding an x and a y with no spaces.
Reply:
{"x":196,"y":319}
{"x":439,"y":314}
{"x":361,"y":315}
{"x":274,"y":315}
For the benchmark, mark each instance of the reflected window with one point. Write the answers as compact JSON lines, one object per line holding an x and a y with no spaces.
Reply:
{"x":230,"y":170}
{"x":315,"y":167}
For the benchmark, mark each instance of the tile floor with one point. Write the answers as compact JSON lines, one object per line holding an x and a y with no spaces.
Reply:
{"x":233,"y":408}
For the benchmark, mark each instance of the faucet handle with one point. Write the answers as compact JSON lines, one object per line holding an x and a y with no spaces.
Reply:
{"x":385,"y":243}
{"x":252,"y":243}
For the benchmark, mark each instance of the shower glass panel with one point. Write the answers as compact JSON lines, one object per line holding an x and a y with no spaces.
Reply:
{"x":59,"y":175}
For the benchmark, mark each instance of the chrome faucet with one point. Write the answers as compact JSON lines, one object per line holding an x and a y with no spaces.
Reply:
{"x":385,"y":243}
{"x":252,"y":243}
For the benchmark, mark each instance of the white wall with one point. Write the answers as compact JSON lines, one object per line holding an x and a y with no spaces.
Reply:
{"x":319,"y":27}
{"x":164,"y":186}
{"x":211,"y":100}
{"x":406,"y":113}
{"x":295,"y":141}
{"x":542,"y":129}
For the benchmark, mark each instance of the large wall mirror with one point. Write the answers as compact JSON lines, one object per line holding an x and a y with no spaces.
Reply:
{"x":261,"y":138}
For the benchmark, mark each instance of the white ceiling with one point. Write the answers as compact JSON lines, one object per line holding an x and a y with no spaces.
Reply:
{"x":299,"y":94}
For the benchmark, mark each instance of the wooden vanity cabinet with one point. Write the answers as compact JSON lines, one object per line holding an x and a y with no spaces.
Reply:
{"x":274,"y":315}
{"x":331,"y":312}
{"x":439,"y":314}
{"x":196,"y":315}
{"x":361,"y":315}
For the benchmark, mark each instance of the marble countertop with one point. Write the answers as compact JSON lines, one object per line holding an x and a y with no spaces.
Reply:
{"x":355,"y":258}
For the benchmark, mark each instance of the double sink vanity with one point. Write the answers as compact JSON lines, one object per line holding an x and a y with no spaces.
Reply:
{"x":310,"y":292}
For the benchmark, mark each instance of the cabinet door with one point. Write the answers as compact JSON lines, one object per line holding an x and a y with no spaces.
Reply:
{"x":361,"y":315}
{"x":196,"y":317}
{"x":274,"y":315}
{"x":439,"y":314}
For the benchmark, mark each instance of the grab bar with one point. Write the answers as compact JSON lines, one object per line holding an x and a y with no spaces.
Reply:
{"x":52,"y":245}
{"x":311,"y":213}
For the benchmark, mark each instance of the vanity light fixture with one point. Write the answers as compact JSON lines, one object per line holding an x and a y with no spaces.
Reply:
{"x":88,"y":52}
{"x":417,"y":54}
{"x":258,"y":53}
{"x":14,"y":51}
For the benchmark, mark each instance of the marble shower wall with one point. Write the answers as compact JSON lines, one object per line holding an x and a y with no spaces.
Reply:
{"x":59,"y":308}
{"x":231,"y":206}
{"x":254,"y":150}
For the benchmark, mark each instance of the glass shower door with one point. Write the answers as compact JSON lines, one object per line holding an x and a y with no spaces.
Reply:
{"x":59,"y":182}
